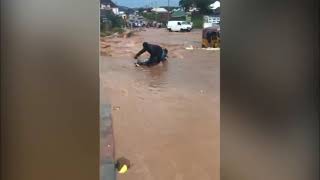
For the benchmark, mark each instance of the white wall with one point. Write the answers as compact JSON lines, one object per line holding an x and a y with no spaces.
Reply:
{"x":115,"y":10}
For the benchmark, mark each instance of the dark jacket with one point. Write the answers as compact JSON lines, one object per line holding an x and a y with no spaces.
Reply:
{"x":153,"y":50}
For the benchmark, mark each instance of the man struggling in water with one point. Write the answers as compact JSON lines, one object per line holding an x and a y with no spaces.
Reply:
{"x":157,"y":54}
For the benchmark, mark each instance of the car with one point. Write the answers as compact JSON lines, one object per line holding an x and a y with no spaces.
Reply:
{"x":179,"y":26}
{"x":131,"y":23}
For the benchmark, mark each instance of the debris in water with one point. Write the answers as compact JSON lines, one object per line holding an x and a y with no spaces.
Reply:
{"x":124,"y":92}
{"x":213,"y":49}
{"x":122,"y":165}
{"x":116,"y":108}
{"x":136,"y":64}
{"x":189,"y":48}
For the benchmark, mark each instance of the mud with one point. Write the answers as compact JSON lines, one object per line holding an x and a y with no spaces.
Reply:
{"x":165,"y":118}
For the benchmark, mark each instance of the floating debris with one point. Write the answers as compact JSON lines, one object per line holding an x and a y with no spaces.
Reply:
{"x":116,"y":108}
{"x":212,"y":49}
{"x":189,"y":48}
{"x":124,"y":92}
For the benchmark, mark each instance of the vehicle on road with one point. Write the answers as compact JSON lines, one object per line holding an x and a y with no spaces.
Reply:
{"x":179,"y":26}
{"x":210,"y":37}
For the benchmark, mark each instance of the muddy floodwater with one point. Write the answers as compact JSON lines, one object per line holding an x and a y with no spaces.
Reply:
{"x":165,"y":118}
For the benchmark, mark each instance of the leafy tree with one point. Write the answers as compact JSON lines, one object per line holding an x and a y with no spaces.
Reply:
{"x":186,"y":4}
{"x":140,"y":10}
{"x":203,"y":5}
{"x":116,"y":21}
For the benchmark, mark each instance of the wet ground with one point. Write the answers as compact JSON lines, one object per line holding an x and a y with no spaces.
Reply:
{"x":165,"y":118}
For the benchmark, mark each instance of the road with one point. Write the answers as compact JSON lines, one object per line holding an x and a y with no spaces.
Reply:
{"x":165,"y":118}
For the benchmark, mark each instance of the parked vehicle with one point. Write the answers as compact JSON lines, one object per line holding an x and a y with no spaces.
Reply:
{"x":211,"y":37}
{"x":179,"y":26}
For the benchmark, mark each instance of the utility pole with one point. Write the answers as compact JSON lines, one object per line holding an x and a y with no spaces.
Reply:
{"x":168,"y":10}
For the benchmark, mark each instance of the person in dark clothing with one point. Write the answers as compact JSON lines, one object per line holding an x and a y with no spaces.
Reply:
{"x":157,"y":54}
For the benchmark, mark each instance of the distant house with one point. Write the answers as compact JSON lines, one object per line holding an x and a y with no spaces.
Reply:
{"x":169,"y":8}
{"x":177,"y":9}
{"x":159,"y":10}
{"x":109,"y":5}
{"x":215,"y":5}
{"x":193,"y":9}
{"x":178,"y":14}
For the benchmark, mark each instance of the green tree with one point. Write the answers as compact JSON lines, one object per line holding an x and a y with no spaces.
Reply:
{"x":186,"y":4}
{"x":203,"y":5}
{"x":140,"y":10}
{"x":116,"y":21}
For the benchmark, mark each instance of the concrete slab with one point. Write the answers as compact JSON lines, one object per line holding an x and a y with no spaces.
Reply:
{"x":107,"y":154}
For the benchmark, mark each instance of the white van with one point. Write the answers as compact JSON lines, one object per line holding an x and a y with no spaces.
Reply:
{"x":179,"y":26}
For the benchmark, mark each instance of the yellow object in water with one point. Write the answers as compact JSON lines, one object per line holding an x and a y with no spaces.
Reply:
{"x":123,"y":169}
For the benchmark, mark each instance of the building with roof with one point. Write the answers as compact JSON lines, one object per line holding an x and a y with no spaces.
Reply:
{"x":159,"y":10}
{"x":178,"y":14}
{"x":109,"y":5}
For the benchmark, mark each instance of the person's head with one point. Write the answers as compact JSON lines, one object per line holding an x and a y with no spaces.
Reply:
{"x":145,"y":45}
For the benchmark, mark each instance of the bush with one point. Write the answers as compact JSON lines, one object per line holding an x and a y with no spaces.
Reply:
{"x":114,"y":20}
{"x":118,"y":30}
{"x":197,"y":21}
{"x":151,"y":16}
{"x":105,"y":33}
{"x":105,"y":26}
{"x":112,"y":25}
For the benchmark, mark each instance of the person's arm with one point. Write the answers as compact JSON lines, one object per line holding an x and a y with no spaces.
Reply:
{"x":139,"y":53}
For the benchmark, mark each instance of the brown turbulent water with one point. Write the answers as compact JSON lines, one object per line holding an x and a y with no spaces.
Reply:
{"x":165,"y":118}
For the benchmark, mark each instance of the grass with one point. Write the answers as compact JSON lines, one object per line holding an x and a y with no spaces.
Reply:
{"x":105,"y":33}
{"x":117,"y":30}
